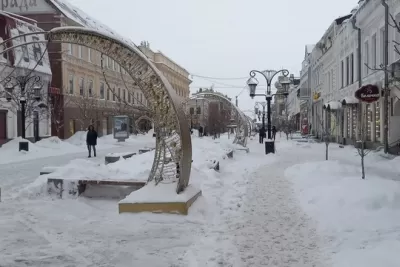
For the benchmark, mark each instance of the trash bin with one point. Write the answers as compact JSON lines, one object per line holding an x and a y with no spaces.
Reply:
{"x":269,"y":146}
{"x":24,"y":146}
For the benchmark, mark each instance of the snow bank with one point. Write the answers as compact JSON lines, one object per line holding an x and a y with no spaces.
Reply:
{"x":51,"y":146}
{"x":361,"y":218}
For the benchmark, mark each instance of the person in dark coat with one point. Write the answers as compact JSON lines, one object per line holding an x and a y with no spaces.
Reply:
{"x":273,"y":132}
{"x":91,"y":140}
{"x":261,"y":135}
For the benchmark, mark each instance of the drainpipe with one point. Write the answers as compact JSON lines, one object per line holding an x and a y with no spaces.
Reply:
{"x":359,"y":73}
{"x":386,"y":90}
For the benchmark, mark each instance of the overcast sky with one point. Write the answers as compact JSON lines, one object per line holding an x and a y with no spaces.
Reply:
{"x":223,"y":38}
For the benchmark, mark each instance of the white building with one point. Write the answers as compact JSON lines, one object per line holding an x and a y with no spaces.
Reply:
{"x":24,"y":61}
{"x":335,"y":71}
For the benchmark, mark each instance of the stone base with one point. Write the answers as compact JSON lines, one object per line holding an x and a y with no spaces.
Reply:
{"x":179,"y":204}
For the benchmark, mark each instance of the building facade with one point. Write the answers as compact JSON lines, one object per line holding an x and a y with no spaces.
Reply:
{"x":28,"y":61}
{"x":177,"y":76}
{"x":350,"y":54}
{"x":82,"y":94}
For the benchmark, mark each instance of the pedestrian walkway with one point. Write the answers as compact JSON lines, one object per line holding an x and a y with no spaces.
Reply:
{"x":275,"y":231}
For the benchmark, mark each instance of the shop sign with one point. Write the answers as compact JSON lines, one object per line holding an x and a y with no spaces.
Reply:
{"x":368,"y":93}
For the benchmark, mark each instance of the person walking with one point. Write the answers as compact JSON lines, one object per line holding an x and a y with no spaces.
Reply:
{"x":261,"y":135}
{"x":91,"y":140}
{"x":273,"y":132}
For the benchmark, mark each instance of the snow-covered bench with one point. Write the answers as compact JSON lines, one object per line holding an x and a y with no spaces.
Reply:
{"x":76,"y":187}
{"x":48,"y":170}
{"x":114,"y":157}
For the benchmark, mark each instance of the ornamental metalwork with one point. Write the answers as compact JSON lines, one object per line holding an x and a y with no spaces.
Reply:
{"x":243,"y":128}
{"x":173,"y":152}
{"x":141,"y":118}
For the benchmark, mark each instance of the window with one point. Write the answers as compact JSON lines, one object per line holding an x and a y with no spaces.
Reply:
{"x":81,"y":86}
{"x":71,"y":84}
{"x":198,"y":110}
{"x":137,"y":97}
{"x":382,"y":45}
{"x":129,"y":97}
{"x":373,"y":47}
{"x":352,"y":68}
{"x":25,"y":53}
{"x":37,"y":50}
{"x":113,"y":92}
{"x":102,"y":91}
{"x":70,"y":49}
{"x":366,"y":58}
{"x":141,"y":99}
{"x":113,"y":65}
{"x":90,"y":88}
{"x":133,"y":98}
{"x":342,"y":74}
{"x":124,"y":94}
{"x":329,"y":81}
{"x":89,"y":54}
{"x":80,"y":51}
{"x":191,"y":111}
{"x":347,"y":70}
{"x":108,"y":93}
{"x":119,"y":94}
{"x":109,"y":62}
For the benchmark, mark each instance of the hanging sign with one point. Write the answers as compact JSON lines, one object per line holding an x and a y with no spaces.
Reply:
{"x":368,"y":93}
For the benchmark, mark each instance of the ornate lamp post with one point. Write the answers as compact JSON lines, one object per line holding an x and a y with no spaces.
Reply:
{"x":263,"y":104}
{"x":22,"y":81}
{"x":252,"y":83}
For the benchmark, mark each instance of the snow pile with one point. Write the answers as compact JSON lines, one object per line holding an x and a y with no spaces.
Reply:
{"x":51,"y":146}
{"x":358,"y":218}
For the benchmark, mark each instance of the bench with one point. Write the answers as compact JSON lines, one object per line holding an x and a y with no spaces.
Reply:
{"x":244,"y":149}
{"x":78,"y":186}
{"x":48,"y":170}
{"x":114,"y":157}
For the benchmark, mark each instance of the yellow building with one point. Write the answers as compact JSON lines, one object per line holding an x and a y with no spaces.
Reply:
{"x":175,"y":74}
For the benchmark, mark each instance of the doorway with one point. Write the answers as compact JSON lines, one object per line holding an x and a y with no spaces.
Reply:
{"x":3,"y":126}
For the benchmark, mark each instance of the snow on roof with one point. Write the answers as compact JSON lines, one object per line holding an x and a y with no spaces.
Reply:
{"x":27,"y":56}
{"x":83,"y":19}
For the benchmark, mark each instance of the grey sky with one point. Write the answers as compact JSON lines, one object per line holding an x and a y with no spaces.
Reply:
{"x":223,"y":38}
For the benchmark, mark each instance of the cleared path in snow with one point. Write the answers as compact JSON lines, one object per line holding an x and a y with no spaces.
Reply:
{"x":275,"y":231}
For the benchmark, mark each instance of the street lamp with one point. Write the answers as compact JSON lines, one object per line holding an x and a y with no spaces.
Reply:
{"x":21,"y":82}
{"x":263,"y":104}
{"x":252,"y":83}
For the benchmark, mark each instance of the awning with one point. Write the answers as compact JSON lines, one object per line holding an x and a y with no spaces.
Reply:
{"x":349,"y":100}
{"x":333,"y":105}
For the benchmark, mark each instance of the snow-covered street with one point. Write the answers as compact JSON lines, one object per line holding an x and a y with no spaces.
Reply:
{"x":259,"y":210}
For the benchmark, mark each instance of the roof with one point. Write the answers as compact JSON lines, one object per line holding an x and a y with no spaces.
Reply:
{"x":81,"y":18}
{"x":343,"y":18}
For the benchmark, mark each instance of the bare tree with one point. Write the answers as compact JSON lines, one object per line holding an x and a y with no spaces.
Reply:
{"x":35,"y":102}
{"x":362,"y":151}
{"x":327,"y":132}
{"x":57,"y":103}
{"x":88,"y":106}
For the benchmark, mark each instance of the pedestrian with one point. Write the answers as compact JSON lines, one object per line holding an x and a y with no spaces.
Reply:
{"x":261,"y":135}
{"x":201,"y":131}
{"x":91,"y":140}
{"x":273,"y":132}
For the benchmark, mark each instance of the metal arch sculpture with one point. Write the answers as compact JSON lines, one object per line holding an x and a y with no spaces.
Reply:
{"x":143,"y":117}
{"x":173,"y":153}
{"x":242,"y":132}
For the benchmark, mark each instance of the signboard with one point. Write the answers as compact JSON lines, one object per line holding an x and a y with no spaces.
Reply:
{"x":26,"y":6}
{"x":121,"y":127}
{"x":368,"y":93}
